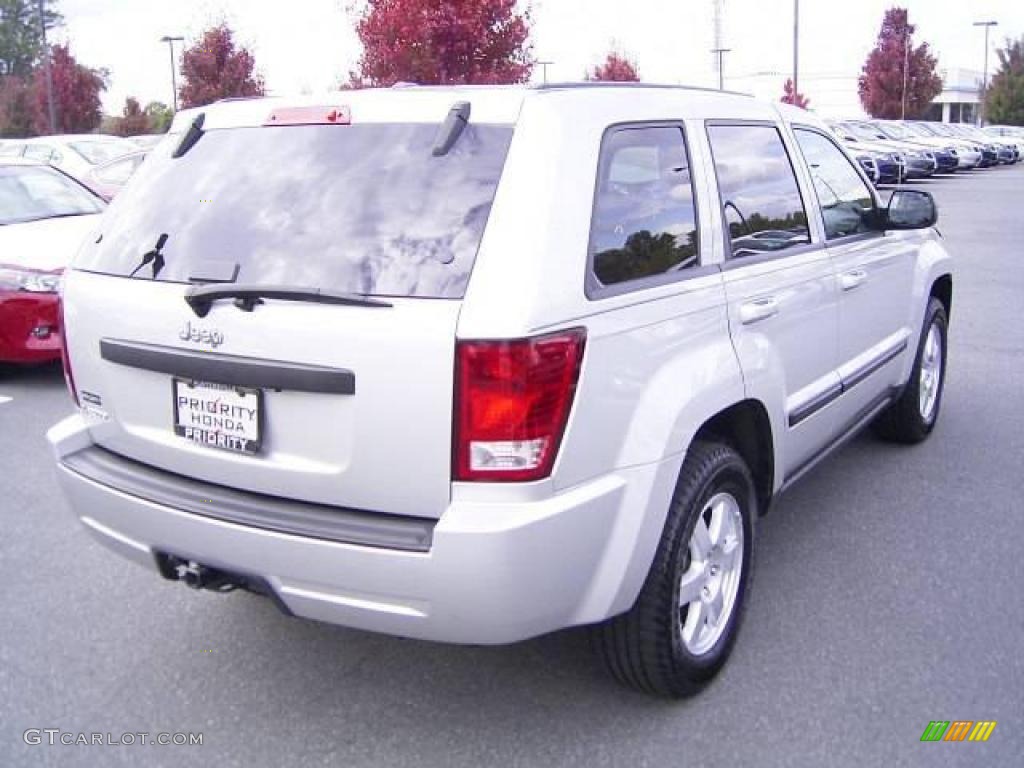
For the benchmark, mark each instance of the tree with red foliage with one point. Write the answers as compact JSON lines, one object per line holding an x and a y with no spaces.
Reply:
{"x":215,"y":68}
{"x":133,"y":121}
{"x":442,"y":41}
{"x":881,"y":84}
{"x":617,"y":68}
{"x":791,"y":96}
{"x":17,"y":113}
{"x":76,"y":94}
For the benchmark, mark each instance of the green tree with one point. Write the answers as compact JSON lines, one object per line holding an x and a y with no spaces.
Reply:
{"x":1004,"y":100}
{"x":160,"y":116}
{"x":20,"y":40}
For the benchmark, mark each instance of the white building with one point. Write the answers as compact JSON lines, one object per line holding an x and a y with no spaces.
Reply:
{"x":960,"y":97}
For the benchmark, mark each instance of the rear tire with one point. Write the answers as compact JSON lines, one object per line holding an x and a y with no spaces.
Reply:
{"x":670,"y":642}
{"x":912,"y":417}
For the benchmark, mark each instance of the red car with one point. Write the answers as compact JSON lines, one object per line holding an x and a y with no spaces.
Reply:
{"x":44,"y":215}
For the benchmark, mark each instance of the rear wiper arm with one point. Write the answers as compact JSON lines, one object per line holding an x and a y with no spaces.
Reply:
{"x":202,"y":297}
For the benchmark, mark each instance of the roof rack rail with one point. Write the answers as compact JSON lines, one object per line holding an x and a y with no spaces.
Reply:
{"x":238,"y":98}
{"x":618,"y":84}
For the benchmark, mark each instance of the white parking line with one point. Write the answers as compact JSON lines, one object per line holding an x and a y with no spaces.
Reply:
{"x":5,"y":399}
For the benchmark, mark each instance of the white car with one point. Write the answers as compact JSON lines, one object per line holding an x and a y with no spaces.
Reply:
{"x":75,"y":154}
{"x":476,"y":364}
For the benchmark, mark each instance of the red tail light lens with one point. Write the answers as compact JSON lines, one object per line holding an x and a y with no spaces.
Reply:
{"x":65,"y":359}
{"x":512,"y":400}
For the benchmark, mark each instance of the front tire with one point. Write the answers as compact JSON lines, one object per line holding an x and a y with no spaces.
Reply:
{"x":682,"y":627}
{"x":912,"y":417}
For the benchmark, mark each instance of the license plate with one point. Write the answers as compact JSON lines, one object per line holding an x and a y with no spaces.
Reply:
{"x":218,"y":415}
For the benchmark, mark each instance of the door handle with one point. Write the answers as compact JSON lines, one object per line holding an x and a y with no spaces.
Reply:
{"x":852,"y":279}
{"x":758,"y":309}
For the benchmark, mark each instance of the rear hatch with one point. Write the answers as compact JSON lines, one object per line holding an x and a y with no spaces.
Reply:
{"x":329,"y":377}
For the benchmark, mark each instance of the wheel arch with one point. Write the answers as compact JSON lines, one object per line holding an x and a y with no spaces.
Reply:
{"x":747,"y":428}
{"x":942,"y":289}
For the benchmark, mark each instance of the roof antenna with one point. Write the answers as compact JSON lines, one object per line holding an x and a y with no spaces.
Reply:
{"x":192,"y":136}
{"x":452,"y":127}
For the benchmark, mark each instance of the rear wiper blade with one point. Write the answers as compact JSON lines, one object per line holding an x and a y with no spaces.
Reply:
{"x":202,"y":297}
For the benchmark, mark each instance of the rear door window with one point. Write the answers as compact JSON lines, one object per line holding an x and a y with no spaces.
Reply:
{"x":644,"y":223}
{"x":364,"y":209}
{"x":761,"y":202}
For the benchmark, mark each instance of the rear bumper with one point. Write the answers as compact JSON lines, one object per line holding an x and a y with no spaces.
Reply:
{"x":493,"y":572}
{"x":29,"y":330}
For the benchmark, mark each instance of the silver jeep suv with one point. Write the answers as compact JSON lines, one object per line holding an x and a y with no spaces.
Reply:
{"x":476,"y":364}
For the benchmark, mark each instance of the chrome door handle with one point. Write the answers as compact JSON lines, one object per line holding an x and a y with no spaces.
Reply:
{"x":758,"y":309}
{"x":852,"y":279}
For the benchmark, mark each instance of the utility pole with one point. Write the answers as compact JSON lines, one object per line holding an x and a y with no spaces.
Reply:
{"x":174,"y":82}
{"x":906,"y":68}
{"x":47,"y":68}
{"x":796,"y":47}
{"x":721,"y":72}
{"x":984,"y":82}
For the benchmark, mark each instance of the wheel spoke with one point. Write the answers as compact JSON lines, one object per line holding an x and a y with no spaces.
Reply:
{"x":696,"y":620}
{"x":714,"y":608}
{"x":691,"y":584}
{"x":700,"y":542}
{"x":718,"y":527}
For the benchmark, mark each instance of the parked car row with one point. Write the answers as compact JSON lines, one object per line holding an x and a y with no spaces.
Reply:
{"x":893,"y":151}
{"x":103,"y":163}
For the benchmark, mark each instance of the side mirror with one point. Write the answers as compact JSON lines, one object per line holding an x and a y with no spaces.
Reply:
{"x":911,"y":209}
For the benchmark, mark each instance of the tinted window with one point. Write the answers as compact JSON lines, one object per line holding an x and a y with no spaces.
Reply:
{"x":29,"y":193}
{"x":358,"y":208}
{"x":845,"y":200}
{"x":644,"y":223}
{"x":760,"y":198}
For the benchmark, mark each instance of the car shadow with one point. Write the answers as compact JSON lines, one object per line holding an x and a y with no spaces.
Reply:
{"x":35,"y":375}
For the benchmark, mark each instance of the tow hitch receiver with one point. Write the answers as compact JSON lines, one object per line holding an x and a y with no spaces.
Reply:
{"x":199,"y":576}
{"x":195,"y":575}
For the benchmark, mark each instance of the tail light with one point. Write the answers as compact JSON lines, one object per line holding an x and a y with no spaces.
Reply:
{"x":65,"y":359}
{"x":512,"y":400}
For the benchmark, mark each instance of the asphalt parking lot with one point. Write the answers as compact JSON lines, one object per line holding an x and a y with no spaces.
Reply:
{"x":887,"y":593}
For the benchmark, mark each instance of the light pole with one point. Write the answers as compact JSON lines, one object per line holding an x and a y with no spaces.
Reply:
{"x":174,"y":82}
{"x":796,"y":47}
{"x":51,"y":107}
{"x":544,"y":69}
{"x":984,"y":82}
{"x":720,"y":52}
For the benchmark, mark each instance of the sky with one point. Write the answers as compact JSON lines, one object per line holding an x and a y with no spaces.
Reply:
{"x":308,"y":46}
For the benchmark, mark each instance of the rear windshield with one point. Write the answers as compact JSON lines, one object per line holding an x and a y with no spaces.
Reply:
{"x":358,"y":208}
